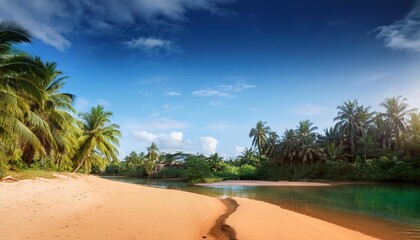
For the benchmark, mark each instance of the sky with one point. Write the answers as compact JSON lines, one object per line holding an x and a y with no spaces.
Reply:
{"x":197,"y":75}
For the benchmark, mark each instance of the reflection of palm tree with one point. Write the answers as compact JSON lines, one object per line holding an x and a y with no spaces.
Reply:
{"x":98,"y":140}
{"x":395,"y":122}
{"x":259,"y":135}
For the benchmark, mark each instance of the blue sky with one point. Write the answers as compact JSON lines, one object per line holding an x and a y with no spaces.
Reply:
{"x":196,"y":75}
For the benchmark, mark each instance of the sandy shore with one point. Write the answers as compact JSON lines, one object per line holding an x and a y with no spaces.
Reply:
{"x":93,"y":208}
{"x":259,"y":220}
{"x":265,"y":183}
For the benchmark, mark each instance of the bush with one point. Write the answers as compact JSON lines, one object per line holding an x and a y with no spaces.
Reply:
{"x":167,"y":172}
{"x":112,"y":169}
{"x":196,"y":169}
{"x":229,"y":172}
{"x":247,"y":172}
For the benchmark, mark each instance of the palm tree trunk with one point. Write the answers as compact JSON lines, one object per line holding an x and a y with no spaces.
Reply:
{"x":80,"y":164}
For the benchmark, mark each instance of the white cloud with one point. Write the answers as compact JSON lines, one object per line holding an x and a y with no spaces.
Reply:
{"x":208,"y":145}
{"x":145,"y":136}
{"x":54,"y":21}
{"x":210,"y":92}
{"x":403,"y":34}
{"x":237,"y":86}
{"x":172,"y":141}
{"x":149,"y":44}
{"x":173,"y":93}
{"x":157,"y":123}
{"x":372,"y":78}
{"x":409,"y":90}
{"x":239,"y":150}
{"x":225,"y":90}
{"x":167,"y":107}
{"x":309,"y":110}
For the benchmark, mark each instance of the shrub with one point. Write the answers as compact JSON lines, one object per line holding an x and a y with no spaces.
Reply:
{"x":229,"y":172}
{"x":167,"y":172}
{"x":247,"y":172}
{"x":196,"y":169}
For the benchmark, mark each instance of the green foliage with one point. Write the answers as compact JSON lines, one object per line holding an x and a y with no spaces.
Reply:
{"x":168,"y":172}
{"x":196,"y":169}
{"x":112,"y":169}
{"x":247,"y":172}
{"x":229,"y":172}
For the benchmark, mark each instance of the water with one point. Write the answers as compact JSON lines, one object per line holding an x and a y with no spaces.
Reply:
{"x":388,"y":211}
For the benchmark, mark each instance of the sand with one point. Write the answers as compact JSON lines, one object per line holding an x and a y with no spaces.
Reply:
{"x":266,"y":183}
{"x":89,"y":207}
{"x":259,"y":220}
{"x":93,"y":208}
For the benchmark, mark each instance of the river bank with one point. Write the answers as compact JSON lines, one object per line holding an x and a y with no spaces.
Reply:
{"x":89,"y":207}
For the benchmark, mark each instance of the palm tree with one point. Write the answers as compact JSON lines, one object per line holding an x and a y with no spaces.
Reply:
{"x":270,"y":145}
{"x":259,"y":135}
{"x":249,"y":156}
{"x":98,"y":141}
{"x":395,"y":117}
{"x":306,"y":148}
{"x":216,"y":162}
{"x":17,"y":92}
{"x":347,"y":117}
{"x":331,"y":135}
{"x":55,"y":112}
{"x":152,"y":157}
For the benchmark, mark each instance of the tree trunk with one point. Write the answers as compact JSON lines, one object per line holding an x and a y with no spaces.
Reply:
{"x":80,"y":164}
{"x":28,"y":154}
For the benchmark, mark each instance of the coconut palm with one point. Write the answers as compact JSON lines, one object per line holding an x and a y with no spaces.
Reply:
{"x":55,"y":111}
{"x":270,"y":145}
{"x":306,"y":148}
{"x":397,"y":110}
{"x":249,"y":156}
{"x":331,"y":135}
{"x":98,"y":141}
{"x":152,"y":157}
{"x":17,"y":91}
{"x":216,"y":162}
{"x":259,"y":135}
{"x":347,"y":117}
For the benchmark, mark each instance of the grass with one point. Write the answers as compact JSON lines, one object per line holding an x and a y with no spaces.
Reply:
{"x":212,"y":180}
{"x":30,"y":174}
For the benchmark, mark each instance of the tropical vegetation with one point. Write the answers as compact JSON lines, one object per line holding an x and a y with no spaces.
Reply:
{"x":362,"y":145}
{"x":39,"y":127}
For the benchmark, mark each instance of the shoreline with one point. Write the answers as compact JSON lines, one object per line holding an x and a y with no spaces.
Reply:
{"x":89,"y":207}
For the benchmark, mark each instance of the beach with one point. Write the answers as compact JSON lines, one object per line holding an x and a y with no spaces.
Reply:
{"x":89,"y":207}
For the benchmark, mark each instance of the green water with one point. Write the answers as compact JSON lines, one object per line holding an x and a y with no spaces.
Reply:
{"x":393,"y":207}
